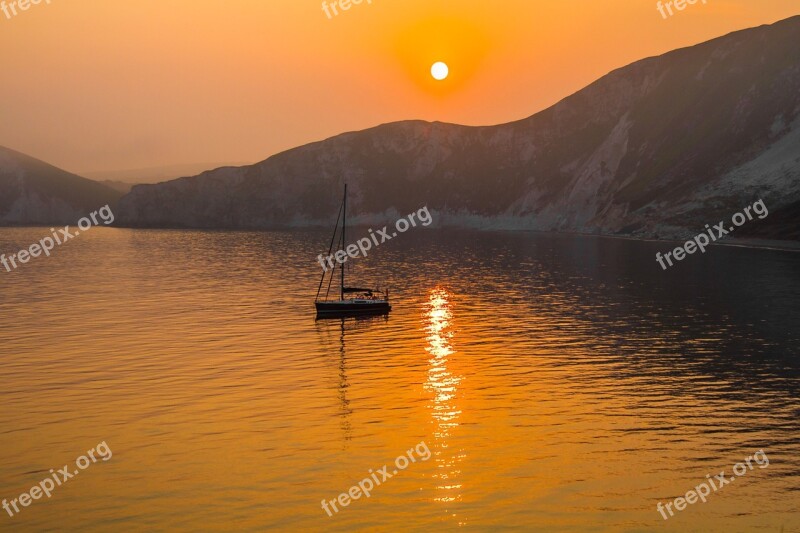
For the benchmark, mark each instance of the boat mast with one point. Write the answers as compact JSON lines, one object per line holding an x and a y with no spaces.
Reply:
{"x":344,"y":242}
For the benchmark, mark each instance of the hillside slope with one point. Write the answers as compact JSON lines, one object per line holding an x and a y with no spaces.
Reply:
{"x":658,"y":148}
{"x":33,"y":192}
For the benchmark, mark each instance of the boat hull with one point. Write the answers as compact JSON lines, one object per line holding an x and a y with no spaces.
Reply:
{"x":352,"y":308}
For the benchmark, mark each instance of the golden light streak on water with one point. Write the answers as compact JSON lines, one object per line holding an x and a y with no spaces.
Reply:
{"x":444,"y":386}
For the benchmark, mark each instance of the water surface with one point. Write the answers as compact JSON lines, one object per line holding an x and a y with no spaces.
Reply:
{"x":561,"y":383}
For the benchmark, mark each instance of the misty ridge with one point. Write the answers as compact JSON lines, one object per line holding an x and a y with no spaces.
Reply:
{"x":655,"y":149}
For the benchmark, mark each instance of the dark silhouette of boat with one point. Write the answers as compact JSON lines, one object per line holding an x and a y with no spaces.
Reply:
{"x":353,"y":301}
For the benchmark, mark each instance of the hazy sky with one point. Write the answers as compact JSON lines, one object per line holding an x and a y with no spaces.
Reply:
{"x":109,"y":85}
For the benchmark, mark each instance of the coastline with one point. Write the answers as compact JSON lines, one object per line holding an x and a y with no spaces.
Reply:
{"x":747,"y":242}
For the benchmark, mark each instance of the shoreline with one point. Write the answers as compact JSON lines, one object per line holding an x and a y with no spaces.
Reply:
{"x":755,"y":243}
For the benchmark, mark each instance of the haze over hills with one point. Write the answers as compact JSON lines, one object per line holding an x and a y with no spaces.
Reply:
{"x":125,"y":179}
{"x":655,"y":149}
{"x":34,"y":192}
{"x":658,"y":148}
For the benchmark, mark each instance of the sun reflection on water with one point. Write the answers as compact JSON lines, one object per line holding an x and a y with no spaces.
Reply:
{"x":443,"y":384}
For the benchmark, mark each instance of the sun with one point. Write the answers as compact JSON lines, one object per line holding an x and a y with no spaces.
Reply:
{"x":439,"y":71}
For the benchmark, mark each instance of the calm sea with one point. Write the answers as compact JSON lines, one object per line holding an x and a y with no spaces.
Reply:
{"x":561,"y":383}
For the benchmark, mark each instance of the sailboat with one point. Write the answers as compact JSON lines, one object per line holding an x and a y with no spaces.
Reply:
{"x":353,"y":301}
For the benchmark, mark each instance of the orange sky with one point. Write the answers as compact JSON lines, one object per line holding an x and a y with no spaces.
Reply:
{"x":94,"y":85}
